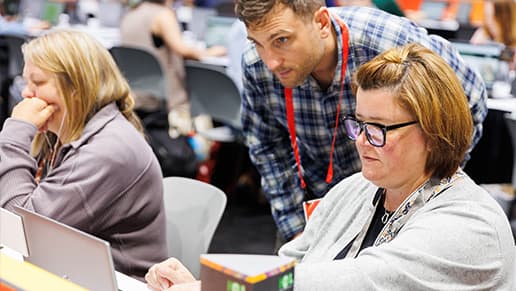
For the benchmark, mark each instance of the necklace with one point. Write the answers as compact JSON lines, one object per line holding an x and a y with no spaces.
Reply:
{"x":386,"y":215}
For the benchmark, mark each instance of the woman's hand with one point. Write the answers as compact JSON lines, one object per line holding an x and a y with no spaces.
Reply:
{"x":35,"y":111}
{"x":169,"y":273}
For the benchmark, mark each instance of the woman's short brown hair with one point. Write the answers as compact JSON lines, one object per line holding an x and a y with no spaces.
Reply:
{"x":426,"y":86}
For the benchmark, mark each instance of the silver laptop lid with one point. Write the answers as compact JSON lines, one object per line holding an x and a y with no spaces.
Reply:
{"x":68,"y":252}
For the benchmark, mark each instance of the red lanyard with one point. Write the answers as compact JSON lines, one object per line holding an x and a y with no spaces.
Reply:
{"x":289,"y":104}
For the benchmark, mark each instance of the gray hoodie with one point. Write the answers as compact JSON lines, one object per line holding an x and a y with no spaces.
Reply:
{"x":107,"y":183}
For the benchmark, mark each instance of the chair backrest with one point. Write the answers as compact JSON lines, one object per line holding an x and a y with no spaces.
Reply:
{"x":142,"y":69}
{"x":15,"y":63}
{"x":193,"y":209}
{"x":213,"y":92}
{"x":511,"y":125}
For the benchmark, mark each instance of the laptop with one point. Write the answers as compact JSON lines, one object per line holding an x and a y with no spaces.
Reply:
{"x":68,"y":252}
{"x":11,"y":232}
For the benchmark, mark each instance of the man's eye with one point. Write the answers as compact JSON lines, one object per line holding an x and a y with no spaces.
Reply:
{"x":282,"y":40}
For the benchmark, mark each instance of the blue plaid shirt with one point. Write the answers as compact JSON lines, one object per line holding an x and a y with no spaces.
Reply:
{"x":264,"y":120}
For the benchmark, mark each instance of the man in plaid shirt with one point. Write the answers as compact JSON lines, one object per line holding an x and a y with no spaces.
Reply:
{"x":300,"y":44}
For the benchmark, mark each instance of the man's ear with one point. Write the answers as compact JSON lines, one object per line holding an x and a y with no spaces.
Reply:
{"x":323,"y":21}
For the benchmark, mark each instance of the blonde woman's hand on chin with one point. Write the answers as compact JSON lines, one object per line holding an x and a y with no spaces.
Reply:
{"x":35,"y":111}
{"x":171,"y":275}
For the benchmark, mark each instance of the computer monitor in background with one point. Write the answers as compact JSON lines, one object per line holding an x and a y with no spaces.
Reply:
{"x":42,"y":9}
{"x":110,"y":13}
{"x":31,"y":8}
{"x":433,"y":10}
{"x":50,"y":12}
{"x":463,"y":13}
{"x":217,"y":29}
{"x":485,"y":59}
{"x":197,"y":23}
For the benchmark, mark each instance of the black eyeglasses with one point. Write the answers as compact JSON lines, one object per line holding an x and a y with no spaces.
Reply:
{"x":375,"y":132}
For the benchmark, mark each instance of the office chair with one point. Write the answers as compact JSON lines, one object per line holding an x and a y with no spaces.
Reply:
{"x":213,"y":92}
{"x":193,"y":209}
{"x":511,"y":124}
{"x":142,"y":69}
{"x":15,"y":63}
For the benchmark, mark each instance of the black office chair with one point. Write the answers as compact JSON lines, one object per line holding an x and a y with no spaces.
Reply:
{"x":11,"y":45}
{"x":14,"y":44}
{"x":142,"y":69}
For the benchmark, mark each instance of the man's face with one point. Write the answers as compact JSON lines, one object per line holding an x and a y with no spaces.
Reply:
{"x":290,"y":46}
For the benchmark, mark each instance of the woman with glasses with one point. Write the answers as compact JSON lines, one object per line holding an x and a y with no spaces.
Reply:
{"x":411,"y":219}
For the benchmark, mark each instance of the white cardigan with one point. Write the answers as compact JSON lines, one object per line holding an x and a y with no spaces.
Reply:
{"x":460,"y":240}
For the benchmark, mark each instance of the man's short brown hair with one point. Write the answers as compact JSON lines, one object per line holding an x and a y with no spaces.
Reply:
{"x":255,"y":12}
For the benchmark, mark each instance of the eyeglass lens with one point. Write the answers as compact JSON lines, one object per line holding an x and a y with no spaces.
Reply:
{"x":375,"y":135}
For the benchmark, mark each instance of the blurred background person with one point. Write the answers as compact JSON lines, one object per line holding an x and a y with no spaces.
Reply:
{"x":499,"y":26}
{"x":11,"y":22}
{"x":153,"y":25}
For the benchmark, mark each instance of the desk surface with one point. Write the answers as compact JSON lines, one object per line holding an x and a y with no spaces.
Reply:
{"x":447,"y":25}
{"x":17,"y":272}
{"x":14,"y":270}
{"x":502,"y":104}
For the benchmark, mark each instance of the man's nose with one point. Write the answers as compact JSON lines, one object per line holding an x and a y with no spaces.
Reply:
{"x":272,"y":60}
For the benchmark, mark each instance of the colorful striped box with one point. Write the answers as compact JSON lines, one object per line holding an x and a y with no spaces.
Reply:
{"x":242,"y":272}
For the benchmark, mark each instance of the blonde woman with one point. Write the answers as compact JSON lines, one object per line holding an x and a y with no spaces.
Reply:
{"x":73,"y":150}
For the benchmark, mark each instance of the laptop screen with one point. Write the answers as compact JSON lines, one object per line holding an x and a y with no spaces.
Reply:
{"x":217,"y":28}
{"x":68,"y":252}
{"x":485,"y":59}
